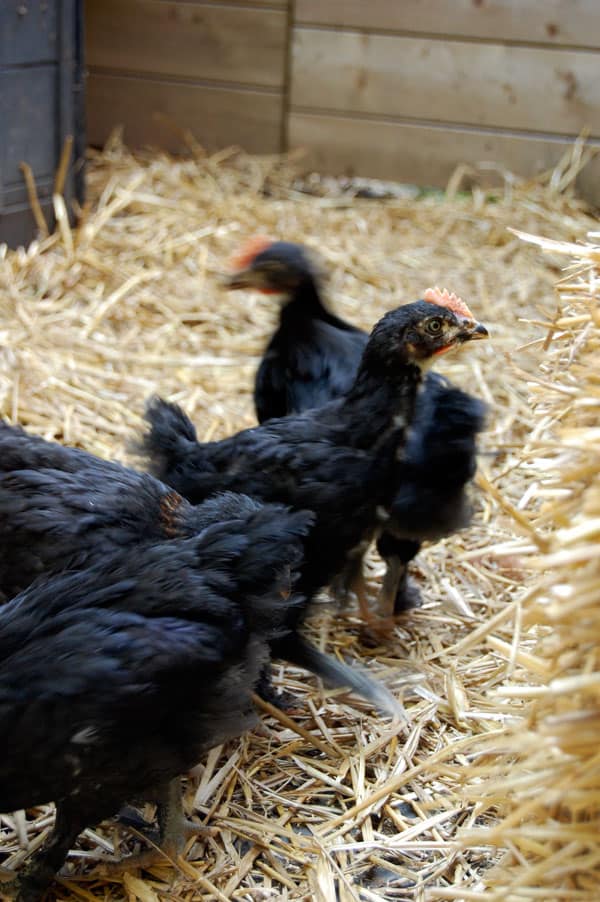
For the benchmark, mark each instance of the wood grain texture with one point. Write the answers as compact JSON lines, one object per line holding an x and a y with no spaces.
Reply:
{"x":569,"y":22}
{"x":494,"y":85}
{"x":423,"y":154}
{"x":156,"y":112}
{"x":188,"y":40}
{"x":260,"y":4}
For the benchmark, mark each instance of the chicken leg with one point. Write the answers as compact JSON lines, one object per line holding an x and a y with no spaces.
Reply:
{"x":352,"y":581}
{"x":173,"y":831}
{"x":398,"y":592}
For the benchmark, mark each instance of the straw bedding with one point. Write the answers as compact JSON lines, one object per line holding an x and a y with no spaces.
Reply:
{"x":493,"y":788}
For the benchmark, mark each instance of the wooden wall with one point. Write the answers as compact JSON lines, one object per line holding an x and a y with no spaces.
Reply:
{"x":400,"y":89}
{"x":162,"y":66}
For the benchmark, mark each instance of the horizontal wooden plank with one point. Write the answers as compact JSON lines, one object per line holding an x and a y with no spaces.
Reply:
{"x":493,"y":85}
{"x":190,"y":40}
{"x":155,"y":113}
{"x":570,"y":22}
{"x":423,"y":154}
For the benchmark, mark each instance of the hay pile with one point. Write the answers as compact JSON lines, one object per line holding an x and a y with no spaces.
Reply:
{"x":544,"y":783}
{"x":339,"y":804}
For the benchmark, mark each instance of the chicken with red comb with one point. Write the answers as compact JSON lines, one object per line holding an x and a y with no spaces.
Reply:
{"x":340,"y":460}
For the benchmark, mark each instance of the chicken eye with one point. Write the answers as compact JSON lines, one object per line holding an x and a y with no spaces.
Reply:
{"x":434,"y":326}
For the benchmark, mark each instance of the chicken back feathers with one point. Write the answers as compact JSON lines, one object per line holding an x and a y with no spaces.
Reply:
{"x":75,"y":510}
{"x":65,"y":508}
{"x":117,"y":678}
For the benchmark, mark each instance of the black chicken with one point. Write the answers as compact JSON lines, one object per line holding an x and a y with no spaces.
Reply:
{"x":116,"y":679}
{"x":311,"y":359}
{"x":338,"y":460}
{"x":314,"y":355}
{"x":437,"y":462}
{"x":62,"y":508}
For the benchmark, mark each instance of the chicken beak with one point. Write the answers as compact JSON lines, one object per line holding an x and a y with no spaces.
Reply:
{"x":243,"y":278}
{"x":473,"y":331}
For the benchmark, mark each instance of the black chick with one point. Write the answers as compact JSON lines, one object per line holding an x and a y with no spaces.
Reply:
{"x":437,"y":462}
{"x":338,"y":460}
{"x":430,"y":500}
{"x":116,"y":679}
{"x":63,"y":508}
{"x":313,"y":355}
{"x":313,"y":358}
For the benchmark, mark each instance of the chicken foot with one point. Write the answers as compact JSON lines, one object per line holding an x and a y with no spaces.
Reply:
{"x":174,"y":829}
{"x":398,"y":592}
{"x":38,"y":874}
{"x":280,"y":698}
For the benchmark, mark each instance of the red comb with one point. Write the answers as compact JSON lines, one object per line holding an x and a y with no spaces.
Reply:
{"x":451,"y":301}
{"x":248,"y":251}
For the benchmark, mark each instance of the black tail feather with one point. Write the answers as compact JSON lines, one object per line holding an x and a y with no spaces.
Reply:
{"x":170,"y":436}
{"x":336,"y":674}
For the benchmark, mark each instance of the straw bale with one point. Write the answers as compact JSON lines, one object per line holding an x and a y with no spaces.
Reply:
{"x":337,"y":802}
{"x":542,"y":780}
